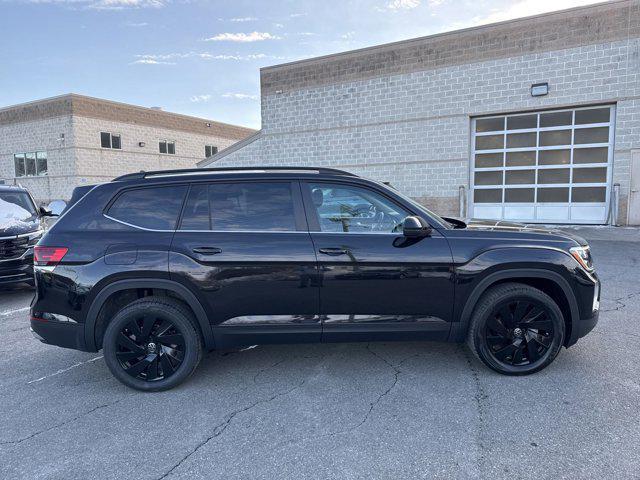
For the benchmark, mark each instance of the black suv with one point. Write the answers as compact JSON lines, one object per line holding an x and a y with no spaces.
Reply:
{"x":20,"y":229}
{"x":156,"y":267}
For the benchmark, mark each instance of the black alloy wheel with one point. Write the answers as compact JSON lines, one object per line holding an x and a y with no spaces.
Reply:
{"x":516,"y":329}
{"x":150,"y":348}
{"x":519,"y":332}
{"x":153,"y":344}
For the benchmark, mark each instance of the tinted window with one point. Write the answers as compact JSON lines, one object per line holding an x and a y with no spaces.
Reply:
{"x":251,"y":206}
{"x":105,"y":140}
{"x":115,"y":141}
{"x":156,"y":208}
{"x":196,"y":210}
{"x":346,"y":208}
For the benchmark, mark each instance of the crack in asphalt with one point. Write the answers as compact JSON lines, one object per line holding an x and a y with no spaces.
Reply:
{"x":61,"y":424}
{"x":479,"y":401}
{"x":222,"y":426}
{"x":621,"y":302}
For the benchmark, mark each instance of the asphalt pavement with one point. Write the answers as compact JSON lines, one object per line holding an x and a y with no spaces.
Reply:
{"x":379,"y":410}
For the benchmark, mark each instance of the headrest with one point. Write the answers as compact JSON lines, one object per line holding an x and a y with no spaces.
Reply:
{"x":318,"y":197}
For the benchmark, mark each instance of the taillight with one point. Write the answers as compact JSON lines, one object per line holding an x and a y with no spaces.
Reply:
{"x":48,"y":256}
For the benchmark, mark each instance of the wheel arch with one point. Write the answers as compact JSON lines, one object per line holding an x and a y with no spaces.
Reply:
{"x":180,"y":292}
{"x":538,"y":278}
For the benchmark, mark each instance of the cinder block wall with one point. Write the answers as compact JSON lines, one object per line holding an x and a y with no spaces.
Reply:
{"x":401,"y":113}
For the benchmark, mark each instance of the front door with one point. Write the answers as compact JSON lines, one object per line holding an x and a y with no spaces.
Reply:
{"x":245,"y":248}
{"x":375,"y":283}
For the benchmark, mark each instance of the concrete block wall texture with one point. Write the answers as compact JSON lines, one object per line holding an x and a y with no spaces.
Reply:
{"x":405,"y":118}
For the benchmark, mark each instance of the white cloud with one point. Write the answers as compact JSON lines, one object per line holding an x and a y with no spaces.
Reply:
{"x":200,"y":98}
{"x":297,"y":15}
{"x":240,"y":96}
{"x":526,"y":8}
{"x":243,"y":19}
{"x":150,"y":61}
{"x":403,"y":4}
{"x":278,"y":25}
{"x":105,"y":4}
{"x":242,"y":37}
{"x":347,"y":36}
{"x":136,"y":25}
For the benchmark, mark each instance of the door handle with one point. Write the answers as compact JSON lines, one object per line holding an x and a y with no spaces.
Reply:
{"x":207,"y":250}
{"x":334,"y":251}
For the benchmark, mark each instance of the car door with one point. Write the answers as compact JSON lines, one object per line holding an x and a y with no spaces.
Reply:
{"x":374,"y":283}
{"x":245,"y":248}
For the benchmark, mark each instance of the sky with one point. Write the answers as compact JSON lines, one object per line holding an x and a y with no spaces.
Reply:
{"x":202,"y":57}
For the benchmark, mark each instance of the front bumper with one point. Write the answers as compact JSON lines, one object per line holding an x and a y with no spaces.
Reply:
{"x":60,"y":334}
{"x":17,"y":270}
{"x":588,"y":323}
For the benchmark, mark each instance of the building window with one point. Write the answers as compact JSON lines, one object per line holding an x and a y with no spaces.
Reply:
{"x":110,"y":140}
{"x":30,"y":164}
{"x":168,"y":147}
{"x":210,"y":150}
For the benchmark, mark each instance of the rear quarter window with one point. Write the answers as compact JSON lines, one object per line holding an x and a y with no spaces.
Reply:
{"x":155,"y":208}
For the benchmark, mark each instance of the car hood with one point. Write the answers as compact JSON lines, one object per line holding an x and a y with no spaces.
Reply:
{"x":513,"y":227}
{"x":18,"y":227}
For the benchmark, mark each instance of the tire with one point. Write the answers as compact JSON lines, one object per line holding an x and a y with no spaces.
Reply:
{"x":516,"y":329}
{"x":152,"y":344}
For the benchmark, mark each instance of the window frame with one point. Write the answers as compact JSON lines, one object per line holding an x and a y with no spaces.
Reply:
{"x":212,"y":152}
{"x":24,"y":164}
{"x":300,"y":220}
{"x":111,"y":135}
{"x":166,"y":142}
{"x":312,"y":217}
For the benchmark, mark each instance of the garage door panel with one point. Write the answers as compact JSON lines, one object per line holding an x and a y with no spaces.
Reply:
{"x":550,"y":166}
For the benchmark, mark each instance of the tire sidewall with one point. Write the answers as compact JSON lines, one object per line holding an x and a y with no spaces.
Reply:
{"x":485,"y":312}
{"x":180,"y":321}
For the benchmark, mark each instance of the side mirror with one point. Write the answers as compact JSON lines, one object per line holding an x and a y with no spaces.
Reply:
{"x":55,"y":208}
{"x":415,"y":227}
{"x":45,"y":212}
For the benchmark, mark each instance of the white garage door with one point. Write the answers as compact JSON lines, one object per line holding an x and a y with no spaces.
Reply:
{"x":543,"y":167}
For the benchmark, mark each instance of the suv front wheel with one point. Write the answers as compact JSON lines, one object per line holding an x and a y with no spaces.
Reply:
{"x":516,"y":329}
{"x":152,"y":344}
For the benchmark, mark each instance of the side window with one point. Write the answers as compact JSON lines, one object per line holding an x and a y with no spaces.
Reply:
{"x":196,"y":210}
{"x":242,"y":206}
{"x":352,"y":209}
{"x":155,"y":208}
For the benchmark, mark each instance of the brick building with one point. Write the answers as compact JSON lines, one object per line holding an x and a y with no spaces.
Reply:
{"x":50,"y":146}
{"x":534,"y":119}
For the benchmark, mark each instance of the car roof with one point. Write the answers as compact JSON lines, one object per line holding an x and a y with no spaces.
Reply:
{"x":12,"y":188}
{"x":191,"y":174}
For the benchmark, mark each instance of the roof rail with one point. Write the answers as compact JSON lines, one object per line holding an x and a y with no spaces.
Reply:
{"x":186,"y":171}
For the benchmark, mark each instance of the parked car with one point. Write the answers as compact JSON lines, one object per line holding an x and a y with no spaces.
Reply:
{"x":21,"y":226}
{"x":154,"y":268}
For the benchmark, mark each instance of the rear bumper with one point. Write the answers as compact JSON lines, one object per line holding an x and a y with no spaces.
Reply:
{"x":60,"y":334}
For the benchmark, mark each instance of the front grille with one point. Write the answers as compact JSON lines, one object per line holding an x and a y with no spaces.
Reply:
{"x":13,"y":247}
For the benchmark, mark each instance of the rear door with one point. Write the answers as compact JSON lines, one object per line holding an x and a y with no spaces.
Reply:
{"x":245,"y":248}
{"x":375,"y":283}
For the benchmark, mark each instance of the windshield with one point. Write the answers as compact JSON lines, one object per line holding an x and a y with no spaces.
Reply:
{"x":16,"y":208}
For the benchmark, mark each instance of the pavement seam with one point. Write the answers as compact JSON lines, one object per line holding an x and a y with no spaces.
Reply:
{"x":66,"y":422}
{"x":621,"y":305}
{"x":221,"y":427}
{"x":479,"y":400}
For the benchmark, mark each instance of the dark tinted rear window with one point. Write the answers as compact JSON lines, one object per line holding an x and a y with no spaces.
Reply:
{"x":240,"y":207}
{"x":156,"y":207}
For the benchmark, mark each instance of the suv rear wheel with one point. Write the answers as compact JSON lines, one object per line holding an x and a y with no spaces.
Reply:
{"x":152,"y":344}
{"x":516,"y":329}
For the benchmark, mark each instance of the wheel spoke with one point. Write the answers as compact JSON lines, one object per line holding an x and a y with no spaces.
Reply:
{"x":141,"y":366}
{"x":167,"y":368}
{"x":520,"y":311}
{"x":497,"y":326}
{"x":147,"y":325}
{"x":175,"y":339}
{"x":517,"y":355}
{"x":497,"y":340}
{"x":504,"y":352}
{"x":164,"y":326}
{"x":152,"y":369}
{"x":127,"y":356}
{"x":506,"y":316}
{"x":532,"y":350}
{"x":129,"y":344}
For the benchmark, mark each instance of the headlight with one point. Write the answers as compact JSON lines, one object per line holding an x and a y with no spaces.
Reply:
{"x":583,"y":257}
